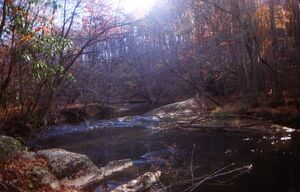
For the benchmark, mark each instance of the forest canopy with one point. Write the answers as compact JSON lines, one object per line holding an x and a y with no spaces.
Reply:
{"x":58,"y":52}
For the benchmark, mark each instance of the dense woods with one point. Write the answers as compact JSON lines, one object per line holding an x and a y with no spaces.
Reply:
{"x":149,"y":95}
{"x":55,"y":53}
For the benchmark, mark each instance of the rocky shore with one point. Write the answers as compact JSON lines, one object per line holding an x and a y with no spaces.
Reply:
{"x":60,"y":170}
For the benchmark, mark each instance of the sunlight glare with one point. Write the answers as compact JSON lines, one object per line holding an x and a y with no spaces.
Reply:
{"x":136,"y":6}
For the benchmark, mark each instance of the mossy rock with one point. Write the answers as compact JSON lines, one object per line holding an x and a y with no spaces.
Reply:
{"x":9,"y":145}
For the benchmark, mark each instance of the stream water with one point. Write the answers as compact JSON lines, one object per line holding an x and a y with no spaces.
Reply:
{"x":275,"y":157}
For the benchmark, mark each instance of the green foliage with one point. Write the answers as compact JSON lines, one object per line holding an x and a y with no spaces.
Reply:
{"x":51,"y":45}
{"x":33,"y":53}
{"x":36,"y":45}
{"x":44,"y":54}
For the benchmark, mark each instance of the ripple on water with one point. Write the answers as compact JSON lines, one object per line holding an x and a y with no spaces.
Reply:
{"x":143,"y":121}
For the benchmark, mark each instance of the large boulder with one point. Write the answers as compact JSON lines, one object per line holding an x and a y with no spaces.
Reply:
{"x":43,"y":176}
{"x":56,"y":169}
{"x":77,"y":170}
{"x":71,"y":169}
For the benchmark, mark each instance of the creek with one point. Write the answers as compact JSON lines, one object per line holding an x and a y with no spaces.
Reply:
{"x":275,"y":157}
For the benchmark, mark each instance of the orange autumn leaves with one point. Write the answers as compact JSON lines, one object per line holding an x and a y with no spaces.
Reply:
{"x":263,"y":20}
{"x":18,"y":174}
{"x":46,"y":30}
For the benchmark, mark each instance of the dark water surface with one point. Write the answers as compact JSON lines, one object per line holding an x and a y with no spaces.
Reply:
{"x":275,"y":157}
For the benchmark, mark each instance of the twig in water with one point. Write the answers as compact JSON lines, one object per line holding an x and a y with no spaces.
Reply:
{"x":156,"y":169}
{"x":192,"y":164}
{"x":87,"y":123}
{"x":211,"y":174}
{"x":232,"y":178}
{"x":218,"y":174}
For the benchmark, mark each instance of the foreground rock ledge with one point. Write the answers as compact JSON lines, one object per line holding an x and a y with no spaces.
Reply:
{"x":58,"y":168}
{"x":77,"y":170}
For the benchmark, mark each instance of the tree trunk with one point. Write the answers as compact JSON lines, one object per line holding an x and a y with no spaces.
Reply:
{"x":276,"y":88}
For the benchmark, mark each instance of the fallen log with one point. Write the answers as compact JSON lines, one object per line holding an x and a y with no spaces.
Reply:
{"x":201,"y":118}
{"x":198,"y":127}
{"x":140,"y":184}
{"x":107,"y":172}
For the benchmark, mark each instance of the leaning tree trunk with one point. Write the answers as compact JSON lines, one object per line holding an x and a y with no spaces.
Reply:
{"x":276,"y":88}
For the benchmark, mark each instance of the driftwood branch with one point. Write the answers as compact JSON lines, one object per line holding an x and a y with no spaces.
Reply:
{"x":198,"y":127}
{"x":201,"y":118}
{"x":140,"y":184}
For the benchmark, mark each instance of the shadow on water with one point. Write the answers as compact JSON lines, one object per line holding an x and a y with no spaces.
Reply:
{"x":275,"y":158}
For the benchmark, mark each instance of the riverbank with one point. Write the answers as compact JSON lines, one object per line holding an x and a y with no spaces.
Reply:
{"x":234,"y":115}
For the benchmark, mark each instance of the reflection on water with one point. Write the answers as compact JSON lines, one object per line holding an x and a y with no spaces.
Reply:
{"x":275,"y":158}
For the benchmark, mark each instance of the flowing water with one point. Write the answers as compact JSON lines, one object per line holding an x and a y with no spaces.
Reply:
{"x":181,"y":154}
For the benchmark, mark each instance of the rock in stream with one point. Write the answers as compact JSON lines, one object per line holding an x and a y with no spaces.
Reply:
{"x":67,"y":169}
